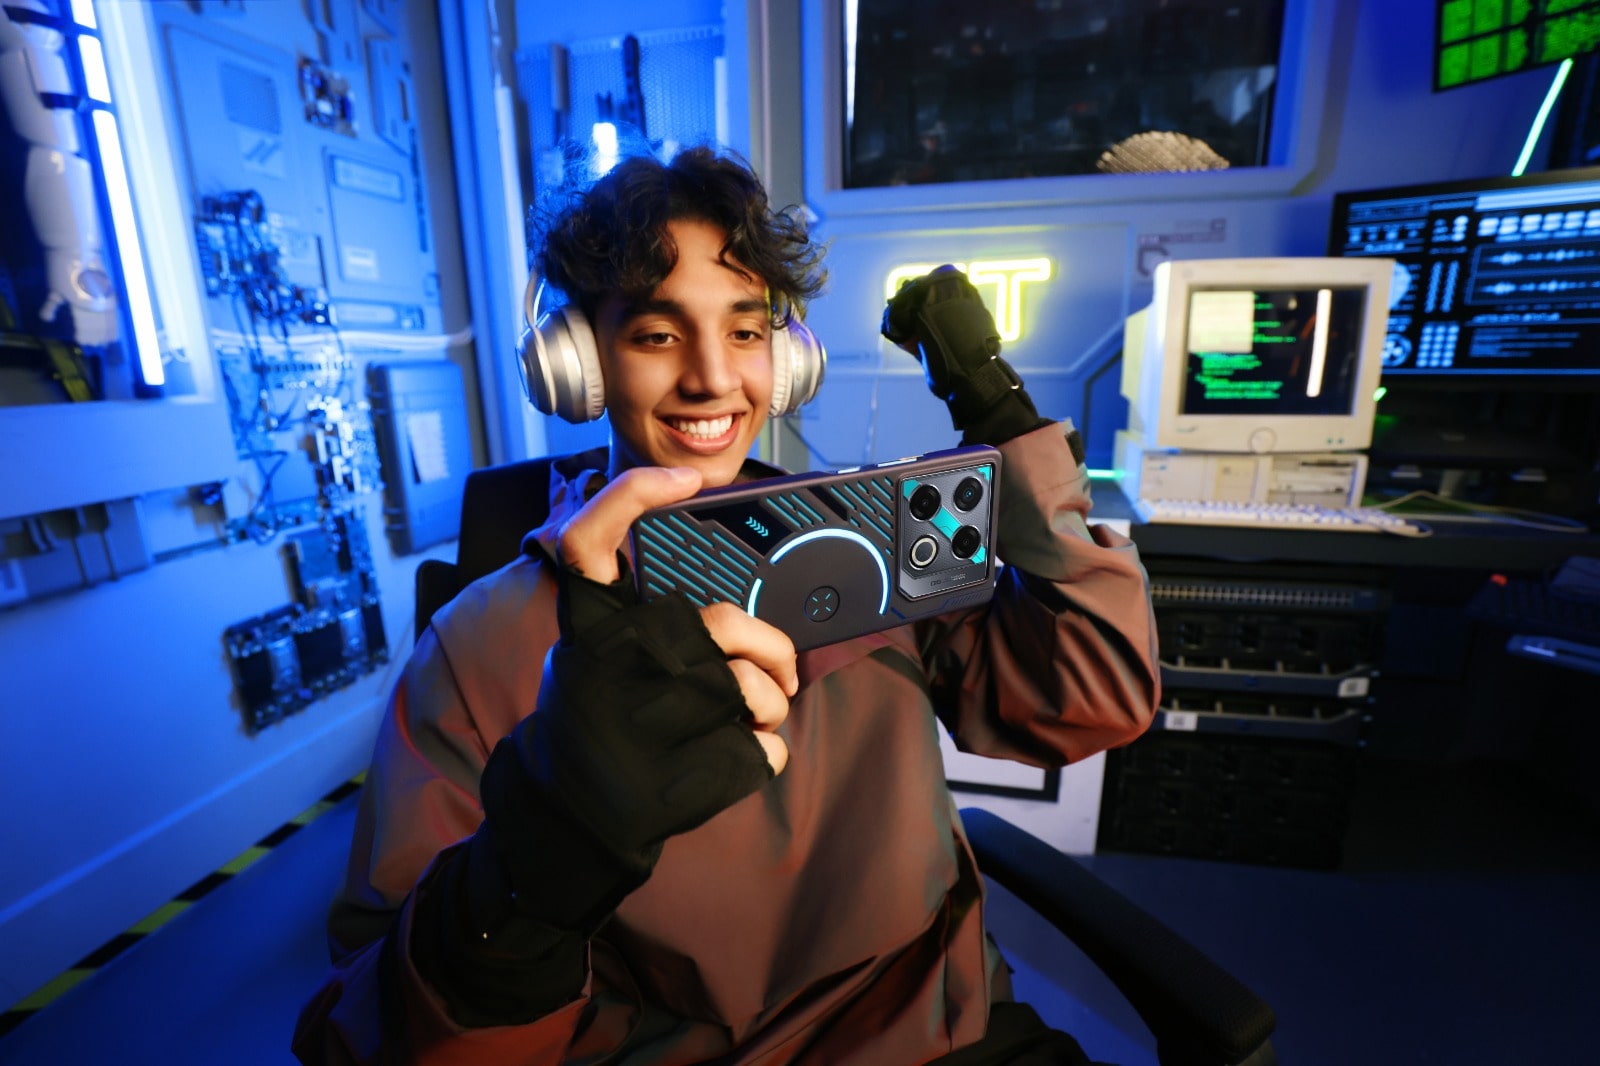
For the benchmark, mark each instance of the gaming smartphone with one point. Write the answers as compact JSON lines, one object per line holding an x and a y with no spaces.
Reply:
{"x":828,"y":556}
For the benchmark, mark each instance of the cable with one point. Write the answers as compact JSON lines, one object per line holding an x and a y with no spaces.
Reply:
{"x":1486,"y":514}
{"x":1417,"y":528}
{"x":421,"y":342}
{"x":793,"y":422}
{"x":870,"y":452}
{"x":869,"y":446}
{"x":342,"y":384}
{"x":254,"y":528}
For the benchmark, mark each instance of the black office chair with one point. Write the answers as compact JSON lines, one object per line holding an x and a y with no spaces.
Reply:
{"x":1200,"y":1014}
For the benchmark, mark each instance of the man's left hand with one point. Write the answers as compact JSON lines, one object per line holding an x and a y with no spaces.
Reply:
{"x":941,"y":319}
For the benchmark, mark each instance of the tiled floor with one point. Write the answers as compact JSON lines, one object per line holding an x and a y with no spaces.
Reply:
{"x":1462,"y":929}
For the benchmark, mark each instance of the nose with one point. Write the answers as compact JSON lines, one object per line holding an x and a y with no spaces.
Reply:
{"x":712,"y":368}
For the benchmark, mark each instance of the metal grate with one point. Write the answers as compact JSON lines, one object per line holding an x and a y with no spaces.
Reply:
{"x":1323,"y":597}
{"x":251,"y":99}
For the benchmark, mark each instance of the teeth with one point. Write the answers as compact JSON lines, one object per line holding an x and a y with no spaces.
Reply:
{"x":708,"y":428}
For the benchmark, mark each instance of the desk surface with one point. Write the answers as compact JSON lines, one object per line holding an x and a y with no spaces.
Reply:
{"x":1453,"y":545}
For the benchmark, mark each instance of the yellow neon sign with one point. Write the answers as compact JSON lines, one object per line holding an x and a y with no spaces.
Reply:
{"x":1007,"y":276}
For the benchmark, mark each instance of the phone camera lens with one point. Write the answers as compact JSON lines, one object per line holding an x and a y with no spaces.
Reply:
{"x":924,"y":503}
{"x":967,"y":494}
{"x":923,"y":551}
{"x":966,"y":541}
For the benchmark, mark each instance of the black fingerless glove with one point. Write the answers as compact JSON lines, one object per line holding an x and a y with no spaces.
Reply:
{"x":637,"y":736}
{"x":941,"y":316}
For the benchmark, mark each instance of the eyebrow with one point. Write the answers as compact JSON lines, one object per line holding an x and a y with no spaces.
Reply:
{"x":654,"y":306}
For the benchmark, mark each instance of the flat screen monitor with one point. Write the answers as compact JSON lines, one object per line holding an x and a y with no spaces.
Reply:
{"x":1496,"y":281}
{"x":1257,"y":355}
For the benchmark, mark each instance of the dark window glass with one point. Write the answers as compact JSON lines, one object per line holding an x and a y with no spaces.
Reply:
{"x":952,"y":90}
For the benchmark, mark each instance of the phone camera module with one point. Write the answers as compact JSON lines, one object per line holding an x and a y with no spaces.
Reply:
{"x":923,"y":551}
{"x":967,"y":494}
{"x":966,"y":541}
{"x":924,"y":503}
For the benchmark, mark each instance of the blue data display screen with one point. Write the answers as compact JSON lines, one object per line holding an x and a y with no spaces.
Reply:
{"x":1499,"y":280}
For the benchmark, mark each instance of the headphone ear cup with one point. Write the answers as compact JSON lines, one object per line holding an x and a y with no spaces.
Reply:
{"x":588,"y":390}
{"x":799,"y":362}
{"x":562,"y":364}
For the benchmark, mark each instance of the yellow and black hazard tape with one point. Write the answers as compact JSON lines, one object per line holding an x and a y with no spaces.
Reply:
{"x":85,"y":967}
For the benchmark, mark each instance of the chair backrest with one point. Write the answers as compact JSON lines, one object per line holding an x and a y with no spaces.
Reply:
{"x":499,"y":505}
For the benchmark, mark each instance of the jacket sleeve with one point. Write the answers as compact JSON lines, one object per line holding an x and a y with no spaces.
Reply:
{"x":376,"y":1008}
{"x":419,"y":800}
{"x":1063,"y":662}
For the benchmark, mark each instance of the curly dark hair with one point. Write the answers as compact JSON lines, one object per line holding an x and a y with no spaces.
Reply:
{"x":611,"y":237}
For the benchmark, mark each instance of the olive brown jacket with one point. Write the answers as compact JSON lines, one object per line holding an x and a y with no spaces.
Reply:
{"x":835,"y":915}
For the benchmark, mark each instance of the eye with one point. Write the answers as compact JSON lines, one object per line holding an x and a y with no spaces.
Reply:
{"x":655,"y":339}
{"x":749,"y":330}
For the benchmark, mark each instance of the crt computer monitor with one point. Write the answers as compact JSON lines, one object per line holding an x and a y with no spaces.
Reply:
{"x":1497,"y":281}
{"x":1257,"y":355}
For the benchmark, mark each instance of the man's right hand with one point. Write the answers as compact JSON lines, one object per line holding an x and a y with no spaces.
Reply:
{"x":761,"y":657}
{"x":652,"y":718}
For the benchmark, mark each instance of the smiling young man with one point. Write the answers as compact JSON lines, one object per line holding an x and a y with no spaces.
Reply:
{"x":599,"y":829}
{"x":688,"y":369}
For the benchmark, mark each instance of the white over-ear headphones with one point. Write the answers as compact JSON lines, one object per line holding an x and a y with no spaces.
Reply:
{"x":561,"y":362}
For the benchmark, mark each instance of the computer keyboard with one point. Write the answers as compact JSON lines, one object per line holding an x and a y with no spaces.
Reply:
{"x":1276,"y":516}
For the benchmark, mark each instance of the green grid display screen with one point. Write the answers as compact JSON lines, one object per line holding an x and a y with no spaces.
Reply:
{"x":1481,"y":39}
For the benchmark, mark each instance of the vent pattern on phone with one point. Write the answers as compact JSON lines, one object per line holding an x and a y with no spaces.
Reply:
{"x":869,"y":506}
{"x":794,"y":507}
{"x":698,"y":559}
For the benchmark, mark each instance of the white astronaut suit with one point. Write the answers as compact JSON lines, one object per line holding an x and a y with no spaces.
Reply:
{"x":59,"y":188}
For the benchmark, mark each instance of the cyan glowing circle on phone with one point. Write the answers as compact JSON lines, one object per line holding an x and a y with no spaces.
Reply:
{"x":826,"y":534}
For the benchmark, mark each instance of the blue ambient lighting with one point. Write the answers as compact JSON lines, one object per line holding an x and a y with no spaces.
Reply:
{"x":1544,"y":114}
{"x":135,"y":282}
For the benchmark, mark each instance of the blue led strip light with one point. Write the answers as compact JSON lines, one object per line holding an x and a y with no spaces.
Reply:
{"x":1550,"y":97}
{"x":116,"y":195}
